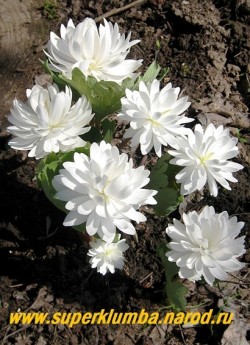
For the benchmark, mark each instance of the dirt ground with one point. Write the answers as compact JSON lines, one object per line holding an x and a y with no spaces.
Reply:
{"x":43,"y":265}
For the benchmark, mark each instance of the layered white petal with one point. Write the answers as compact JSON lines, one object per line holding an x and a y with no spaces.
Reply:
{"x":98,"y":52}
{"x":48,"y":122}
{"x":103,"y":190}
{"x":204,"y":155}
{"x":205,"y":245}
{"x":106,"y":257}
{"x":156,"y":117}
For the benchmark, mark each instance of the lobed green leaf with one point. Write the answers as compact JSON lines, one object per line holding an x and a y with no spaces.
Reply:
{"x":175,"y":291}
{"x":104,"y":96}
{"x":49,"y":167}
{"x":162,"y":179}
{"x":108,"y":128}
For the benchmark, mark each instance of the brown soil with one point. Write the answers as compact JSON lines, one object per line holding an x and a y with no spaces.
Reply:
{"x":43,"y":265}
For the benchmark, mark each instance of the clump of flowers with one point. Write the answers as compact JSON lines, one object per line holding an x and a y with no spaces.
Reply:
{"x":206,"y":245}
{"x":99,"y":187}
{"x":100,"y":53}
{"x":48,"y":122}
{"x":107,"y":256}
{"x":155,"y":116}
{"x":205,"y":156}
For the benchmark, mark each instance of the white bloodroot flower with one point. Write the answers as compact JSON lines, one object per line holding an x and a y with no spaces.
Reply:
{"x":205,"y":245}
{"x":107,"y":256}
{"x":205,"y":154}
{"x":100,"y":53}
{"x":47,"y":122}
{"x":103,"y":190}
{"x":155,"y":116}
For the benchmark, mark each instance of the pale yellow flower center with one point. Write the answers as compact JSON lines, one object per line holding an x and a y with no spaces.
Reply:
{"x":205,"y":158}
{"x":55,"y":126}
{"x":152,"y":120}
{"x":101,"y":190}
{"x":109,"y":251}
{"x":93,"y":66}
{"x":154,"y":123}
{"x":104,"y":196}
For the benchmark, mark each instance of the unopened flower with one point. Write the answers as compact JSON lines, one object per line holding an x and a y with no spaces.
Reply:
{"x":205,"y":154}
{"x":100,"y":53}
{"x":205,"y":245}
{"x":103,"y":190}
{"x":107,"y":256}
{"x":47,"y":122}
{"x":155,"y":116}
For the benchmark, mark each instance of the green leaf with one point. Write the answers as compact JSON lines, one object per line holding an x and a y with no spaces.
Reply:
{"x":128,"y":83}
{"x":175,"y":291}
{"x":152,"y":72}
{"x":59,"y":81}
{"x":170,"y":268}
{"x":108,"y":128}
{"x":167,"y":201}
{"x":162,"y":179}
{"x":97,"y":134}
{"x":49,"y":167}
{"x":104,"y":96}
{"x":93,"y":135}
{"x":79,"y":82}
{"x":164,"y":71}
{"x":176,"y":294}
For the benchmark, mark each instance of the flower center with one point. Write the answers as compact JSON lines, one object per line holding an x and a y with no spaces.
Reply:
{"x":154,"y":122}
{"x":204,"y":251}
{"x":103,"y":196}
{"x":109,"y":252}
{"x":93,"y":66}
{"x":53,"y":126}
{"x":205,"y":158}
{"x":101,"y":184}
{"x":203,"y":246}
{"x":153,"y":119}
